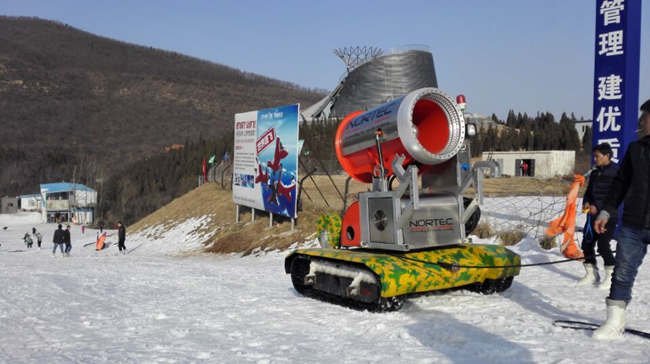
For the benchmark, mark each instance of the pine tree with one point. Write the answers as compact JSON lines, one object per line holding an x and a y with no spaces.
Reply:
{"x":511,"y":119}
{"x":564,"y":119}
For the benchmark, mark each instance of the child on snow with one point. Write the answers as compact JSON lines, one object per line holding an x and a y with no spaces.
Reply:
{"x":28,"y":240}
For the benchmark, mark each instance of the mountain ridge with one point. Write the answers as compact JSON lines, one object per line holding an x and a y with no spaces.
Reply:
{"x":70,"y":97}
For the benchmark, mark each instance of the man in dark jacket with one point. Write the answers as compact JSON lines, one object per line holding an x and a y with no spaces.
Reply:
{"x":67,"y":241}
{"x":58,"y":240}
{"x":632,"y":184}
{"x":121,"y":236}
{"x":599,"y":182}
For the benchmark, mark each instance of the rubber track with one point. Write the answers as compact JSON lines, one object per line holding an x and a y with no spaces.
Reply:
{"x":381,"y":305}
{"x":299,"y":270}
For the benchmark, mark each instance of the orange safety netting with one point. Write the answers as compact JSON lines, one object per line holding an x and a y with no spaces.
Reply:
{"x":567,"y":223}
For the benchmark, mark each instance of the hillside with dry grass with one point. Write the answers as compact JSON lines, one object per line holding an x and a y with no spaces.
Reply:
{"x":220,"y":233}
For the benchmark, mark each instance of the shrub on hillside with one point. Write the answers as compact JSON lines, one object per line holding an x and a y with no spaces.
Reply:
{"x":547,"y":243}
{"x":483,"y":230}
{"x":511,"y":237}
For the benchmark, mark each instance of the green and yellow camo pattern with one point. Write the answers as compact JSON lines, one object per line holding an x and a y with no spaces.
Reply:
{"x":400,"y":275}
{"x":331,"y":225}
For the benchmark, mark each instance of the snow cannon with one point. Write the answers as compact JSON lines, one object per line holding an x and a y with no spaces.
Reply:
{"x":408,"y":234}
{"x":426,"y":126}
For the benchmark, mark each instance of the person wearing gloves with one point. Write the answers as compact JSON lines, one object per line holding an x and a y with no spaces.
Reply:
{"x":632,"y":185}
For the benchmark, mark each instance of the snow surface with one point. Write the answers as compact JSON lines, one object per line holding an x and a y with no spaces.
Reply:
{"x":164,"y":302}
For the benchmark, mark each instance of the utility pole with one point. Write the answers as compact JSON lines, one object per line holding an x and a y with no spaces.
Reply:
{"x":71,"y":199}
{"x":100,"y":200}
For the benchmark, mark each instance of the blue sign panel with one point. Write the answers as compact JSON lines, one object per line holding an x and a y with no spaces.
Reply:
{"x":616,"y":74}
{"x":277,"y":153}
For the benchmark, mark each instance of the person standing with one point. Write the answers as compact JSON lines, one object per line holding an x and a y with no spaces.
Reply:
{"x":67,"y":241}
{"x":524,"y":169}
{"x":37,"y":236}
{"x":631,"y":184}
{"x":58,"y":240}
{"x":600,"y":181}
{"x":121,"y":236}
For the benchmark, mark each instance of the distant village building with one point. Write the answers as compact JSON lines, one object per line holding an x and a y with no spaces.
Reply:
{"x":68,"y":202}
{"x":582,"y":126}
{"x":540,"y":164}
{"x":30,"y":202}
{"x":9,"y":205}
{"x":481,"y":121}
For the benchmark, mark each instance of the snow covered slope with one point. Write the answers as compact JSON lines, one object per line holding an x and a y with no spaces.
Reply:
{"x":160,"y":304}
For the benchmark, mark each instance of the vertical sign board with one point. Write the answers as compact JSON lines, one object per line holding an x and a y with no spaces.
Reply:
{"x":265,"y":162}
{"x":616,"y":74}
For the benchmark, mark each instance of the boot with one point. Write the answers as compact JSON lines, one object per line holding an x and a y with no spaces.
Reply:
{"x":606,"y":282}
{"x":615,"y":325}
{"x":591,"y":276}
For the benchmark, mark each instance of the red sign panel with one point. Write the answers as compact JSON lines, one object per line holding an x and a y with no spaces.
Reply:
{"x":265,"y":140}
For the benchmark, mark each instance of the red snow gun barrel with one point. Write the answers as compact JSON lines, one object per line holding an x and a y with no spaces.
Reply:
{"x":426,"y":126}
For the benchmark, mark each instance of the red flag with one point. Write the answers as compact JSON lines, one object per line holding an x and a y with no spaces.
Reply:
{"x":205,"y":170}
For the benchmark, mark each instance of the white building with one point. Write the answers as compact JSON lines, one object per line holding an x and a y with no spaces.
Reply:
{"x":540,"y":164}
{"x":70,"y":202}
{"x":30,"y":202}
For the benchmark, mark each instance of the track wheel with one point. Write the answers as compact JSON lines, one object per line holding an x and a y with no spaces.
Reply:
{"x":490,"y":286}
{"x":391,"y":303}
{"x":504,"y":283}
{"x":299,"y":270}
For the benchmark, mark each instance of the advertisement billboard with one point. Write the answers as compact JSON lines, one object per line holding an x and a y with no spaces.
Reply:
{"x":265,"y":161}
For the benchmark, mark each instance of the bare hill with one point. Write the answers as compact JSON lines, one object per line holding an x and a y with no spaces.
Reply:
{"x":69,"y":97}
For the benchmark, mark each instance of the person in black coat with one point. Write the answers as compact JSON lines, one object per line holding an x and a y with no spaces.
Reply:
{"x":37,"y":236}
{"x":121,"y":236}
{"x":67,"y":241}
{"x":58,"y":240}
{"x":600,"y":181}
{"x":632,"y":185}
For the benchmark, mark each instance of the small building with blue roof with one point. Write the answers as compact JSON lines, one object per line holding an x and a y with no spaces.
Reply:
{"x":68,"y":202}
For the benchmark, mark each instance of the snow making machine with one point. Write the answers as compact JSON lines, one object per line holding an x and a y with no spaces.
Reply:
{"x":411,"y":238}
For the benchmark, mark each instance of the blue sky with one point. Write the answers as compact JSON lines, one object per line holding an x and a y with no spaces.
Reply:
{"x":504,"y":54}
